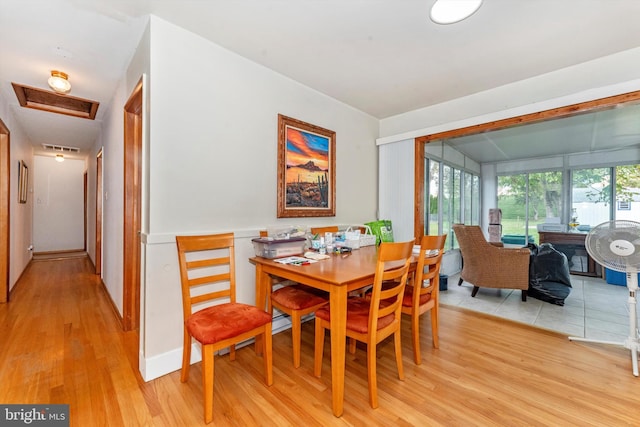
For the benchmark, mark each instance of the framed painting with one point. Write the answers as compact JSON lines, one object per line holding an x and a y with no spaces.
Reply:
{"x":23,"y":182}
{"x":306,"y":169}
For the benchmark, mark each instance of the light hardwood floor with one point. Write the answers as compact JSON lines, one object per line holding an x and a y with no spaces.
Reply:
{"x":60,"y":343}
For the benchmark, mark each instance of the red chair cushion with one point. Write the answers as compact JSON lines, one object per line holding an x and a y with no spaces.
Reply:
{"x":297,"y":297}
{"x":219,"y":322}
{"x":357,"y":315}
{"x":407,"y":300}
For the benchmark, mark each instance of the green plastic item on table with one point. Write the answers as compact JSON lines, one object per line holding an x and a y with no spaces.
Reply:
{"x":382,"y":229}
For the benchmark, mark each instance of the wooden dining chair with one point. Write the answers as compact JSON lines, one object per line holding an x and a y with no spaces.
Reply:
{"x":371,"y":320}
{"x":422,"y":293}
{"x":322,"y":230}
{"x":207,"y":265}
{"x":295,"y":300}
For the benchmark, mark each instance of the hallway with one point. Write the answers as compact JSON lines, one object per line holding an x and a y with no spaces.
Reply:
{"x":64,"y":345}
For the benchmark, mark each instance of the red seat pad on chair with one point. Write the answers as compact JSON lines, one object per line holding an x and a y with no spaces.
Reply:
{"x":219,"y":322}
{"x":297,"y":297}
{"x":407,"y":300}
{"x":357,"y":315}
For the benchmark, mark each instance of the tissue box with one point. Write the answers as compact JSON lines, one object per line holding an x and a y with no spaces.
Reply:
{"x":271,"y":248}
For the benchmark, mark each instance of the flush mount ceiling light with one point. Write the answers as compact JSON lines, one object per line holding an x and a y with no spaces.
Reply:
{"x":59,"y":158}
{"x":452,"y":11}
{"x":59,"y":82}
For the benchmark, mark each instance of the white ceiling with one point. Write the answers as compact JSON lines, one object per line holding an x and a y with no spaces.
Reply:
{"x":607,"y":130}
{"x":383,"y":57}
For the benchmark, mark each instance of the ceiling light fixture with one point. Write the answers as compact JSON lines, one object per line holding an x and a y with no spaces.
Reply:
{"x":452,"y":11}
{"x":59,"y":158}
{"x":59,"y":82}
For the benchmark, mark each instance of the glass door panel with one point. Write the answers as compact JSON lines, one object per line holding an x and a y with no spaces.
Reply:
{"x":590,"y":196}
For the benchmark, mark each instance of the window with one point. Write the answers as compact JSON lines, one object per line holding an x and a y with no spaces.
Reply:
{"x":447,"y":202}
{"x":433,"y":197}
{"x":475,"y":199}
{"x":527,"y":200}
{"x":453,"y":196}
{"x":591,"y":195}
{"x":627,"y":192}
{"x":545,"y":199}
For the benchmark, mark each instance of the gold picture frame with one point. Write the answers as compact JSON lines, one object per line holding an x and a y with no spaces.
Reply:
{"x":306,"y":169}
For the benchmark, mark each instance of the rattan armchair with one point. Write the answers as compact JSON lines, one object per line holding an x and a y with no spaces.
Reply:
{"x":489,"y":266}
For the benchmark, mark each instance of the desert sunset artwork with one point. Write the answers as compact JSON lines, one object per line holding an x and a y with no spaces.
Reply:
{"x":307,"y":169}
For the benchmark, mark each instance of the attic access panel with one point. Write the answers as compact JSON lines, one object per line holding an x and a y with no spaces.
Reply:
{"x":31,"y":97}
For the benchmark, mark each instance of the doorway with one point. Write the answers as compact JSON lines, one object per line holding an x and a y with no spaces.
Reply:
{"x":98,"y":248}
{"x":132,"y":208}
{"x":85,"y":182}
{"x":596,"y":105}
{"x":5,"y":184}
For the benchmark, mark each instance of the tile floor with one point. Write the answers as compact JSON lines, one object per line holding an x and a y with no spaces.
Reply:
{"x":594,"y":309}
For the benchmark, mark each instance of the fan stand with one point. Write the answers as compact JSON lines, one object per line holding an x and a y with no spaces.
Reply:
{"x":631,"y":342}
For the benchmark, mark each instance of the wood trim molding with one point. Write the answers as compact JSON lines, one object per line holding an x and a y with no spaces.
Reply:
{"x":418,"y":207}
{"x":595,"y":105}
{"x":85,"y":200}
{"x":99,"y":214}
{"x":132,"y":208}
{"x":44,"y":100}
{"x":5,"y":203}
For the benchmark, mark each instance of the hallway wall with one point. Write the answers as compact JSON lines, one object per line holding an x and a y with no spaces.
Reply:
{"x":58,"y":196}
{"x":20,"y":214}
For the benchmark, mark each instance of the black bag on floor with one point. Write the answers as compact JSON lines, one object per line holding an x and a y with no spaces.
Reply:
{"x":549,"y":278}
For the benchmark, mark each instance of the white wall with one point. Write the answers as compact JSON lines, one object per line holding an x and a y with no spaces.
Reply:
{"x":58,"y":212}
{"x":113,"y":197}
{"x":209,"y":165}
{"x":397,"y":161}
{"x":607,"y":76}
{"x":111,"y":142}
{"x":213,"y":150}
{"x":90,"y":167}
{"x":20,"y":214}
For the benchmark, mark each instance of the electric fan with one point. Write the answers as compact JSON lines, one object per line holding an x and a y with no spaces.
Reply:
{"x":616,"y":246}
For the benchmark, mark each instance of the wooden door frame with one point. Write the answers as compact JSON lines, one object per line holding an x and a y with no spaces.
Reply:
{"x":132,"y":208}
{"x":5,"y":208}
{"x":595,"y":105}
{"x":85,"y":182}
{"x":99,"y":185}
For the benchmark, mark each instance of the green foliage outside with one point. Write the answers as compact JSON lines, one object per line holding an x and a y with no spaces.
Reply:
{"x":545,"y":195}
{"x":599,"y":184}
{"x":513,"y":220}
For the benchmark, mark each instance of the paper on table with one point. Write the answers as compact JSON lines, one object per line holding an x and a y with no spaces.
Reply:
{"x":429,"y":252}
{"x":294,"y":260}
{"x":315,"y":256}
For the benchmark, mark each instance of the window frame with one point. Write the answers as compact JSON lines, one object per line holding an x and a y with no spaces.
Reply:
{"x":455,"y":212}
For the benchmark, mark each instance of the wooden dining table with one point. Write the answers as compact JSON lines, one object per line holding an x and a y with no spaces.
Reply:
{"x":338,"y":275}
